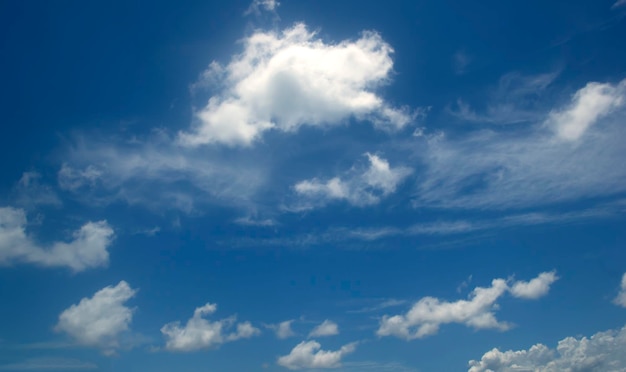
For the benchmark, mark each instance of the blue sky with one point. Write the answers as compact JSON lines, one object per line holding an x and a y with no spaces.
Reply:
{"x":312,"y":185}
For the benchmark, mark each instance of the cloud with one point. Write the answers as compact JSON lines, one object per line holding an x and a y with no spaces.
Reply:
{"x":535,"y":288}
{"x":460,"y":61}
{"x":49,"y":364}
{"x":266,"y":5}
{"x":530,"y":166}
{"x":621,"y":296}
{"x":428,"y":314}
{"x":603,"y":351}
{"x":516,"y":99}
{"x":87,"y":250}
{"x":282,"y":81}
{"x":30,"y":193}
{"x":200,"y":333}
{"x":156,"y":173}
{"x":308,"y":354}
{"x":618,"y":3}
{"x":359,"y":188}
{"x":283,"y":329}
{"x":327,"y":328}
{"x":589,"y":104}
{"x":98,"y":321}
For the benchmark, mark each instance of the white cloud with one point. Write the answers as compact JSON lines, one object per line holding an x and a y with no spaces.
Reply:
{"x":528,"y":166}
{"x":282,"y":81}
{"x":621,"y":296}
{"x":589,"y":104}
{"x":200,"y":333}
{"x":266,"y":5}
{"x":283,"y":329}
{"x":537,"y":287}
{"x":327,"y":328}
{"x":362,"y":188}
{"x":428,"y":314}
{"x":603,"y":351}
{"x":308,"y":354}
{"x":88,"y":249}
{"x":99,"y":320}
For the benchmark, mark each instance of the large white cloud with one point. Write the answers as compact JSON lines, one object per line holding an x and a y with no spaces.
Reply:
{"x":621,"y":296}
{"x":98,"y":321}
{"x":200,"y":333}
{"x":603,"y":351}
{"x":360,"y":188}
{"x":326,"y":328}
{"x":308,"y":354}
{"x":88,"y":249}
{"x":428,"y":314}
{"x":285,"y":80}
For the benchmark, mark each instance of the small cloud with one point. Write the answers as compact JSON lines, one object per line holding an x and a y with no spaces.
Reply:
{"x":283,"y":329}
{"x":618,"y":4}
{"x":98,"y":321}
{"x":327,"y":328}
{"x":460,"y":61}
{"x":262,"y":5}
{"x":620,"y":300}
{"x":200,"y":333}
{"x":308,"y":354}
{"x":30,"y":192}
{"x":535,"y":288}
{"x":250,"y":221}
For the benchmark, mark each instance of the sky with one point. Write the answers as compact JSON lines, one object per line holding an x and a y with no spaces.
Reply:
{"x":313,"y":185}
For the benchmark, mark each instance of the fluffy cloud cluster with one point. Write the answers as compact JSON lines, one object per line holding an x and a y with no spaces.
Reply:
{"x":327,"y":328}
{"x":308,"y":354}
{"x":428,"y":314}
{"x":99,"y":320}
{"x":88,"y":249}
{"x":200,"y":333}
{"x":621,"y":296}
{"x":603,"y":351}
{"x":358,"y":188}
{"x":282,"y":81}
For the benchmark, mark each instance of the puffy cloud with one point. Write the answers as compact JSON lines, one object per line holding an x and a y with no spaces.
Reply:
{"x":99,"y":320}
{"x":530,"y":166}
{"x":308,"y":354}
{"x":362,"y":188}
{"x":87,"y":250}
{"x":282,"y":81}
{"x":535,"y":288}
{"x":589,"y":104}
{"x":283,"y":329}
{"x":621,"y":296}
{"x":603,"y":351}
{"x":200,"y":333}
{"x":428,"y":314}
{"x":327,"y":328}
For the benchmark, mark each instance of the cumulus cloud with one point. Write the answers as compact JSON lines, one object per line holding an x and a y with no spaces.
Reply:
{"x":308,"y":354}
{"x":603,"y":351}
{"x":535,"y":288}
{"x":428,"y":314}
{"x":282,"y":81}
{"x":589,"y":104}
{"x":200,"y":333}
{"x":88,"y":249}
{"x":283,"y":329}
{"x":621,"y":296}
{"x":534,"y":165}
{"x":327,"y":328}
{"x":266,"y":5}
{"x":360,"y":188}
{"x":98,"y":321}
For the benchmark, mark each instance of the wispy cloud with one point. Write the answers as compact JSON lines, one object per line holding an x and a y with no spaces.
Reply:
{"x":49,"y":364}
